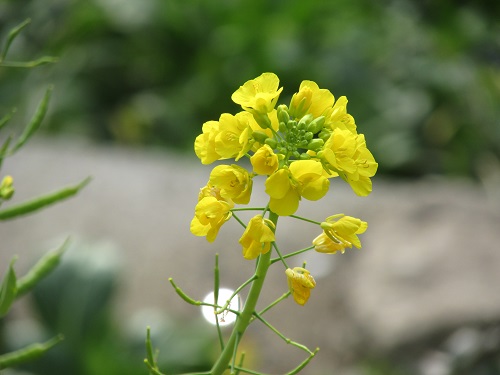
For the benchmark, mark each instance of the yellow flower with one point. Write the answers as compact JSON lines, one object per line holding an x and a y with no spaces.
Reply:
{"x":257,"y":237}
{"x":233,"y":181}
{"x":310,"y":99}
{"x":339,"y":232}
{"x":259,"y":95}
{"x":300,"y":283}
{"x":346,"y":153}
{"x":264,"y":161}
{"x":204,"y":145}
{"x":338,"y":118}
{"x":234,"y":138}
{"x":210,"y":214}
{"x":285,"y":187}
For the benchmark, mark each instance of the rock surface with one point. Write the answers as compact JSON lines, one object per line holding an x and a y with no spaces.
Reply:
{"x":430,"y":258}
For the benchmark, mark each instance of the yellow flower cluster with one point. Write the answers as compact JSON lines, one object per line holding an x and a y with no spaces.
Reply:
{"x":298,"y":148}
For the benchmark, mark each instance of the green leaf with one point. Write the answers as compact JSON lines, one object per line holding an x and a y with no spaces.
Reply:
{"x":40,"y":202}
{"x":27,"y":353}
{"x":41,"y":269}
{"x":35,"y":121}
{"x":5,"y":119}
{"x":3,"y":149}
{"x":12,"y":35}
{"x":8,"y":289}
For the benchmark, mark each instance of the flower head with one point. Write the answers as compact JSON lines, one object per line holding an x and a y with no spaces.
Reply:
{"x":300,"y":283}
{"x":233,"y":181}
{"x":257,"y":237}
{"x":259,"y":95}
{"x":339,"y":232}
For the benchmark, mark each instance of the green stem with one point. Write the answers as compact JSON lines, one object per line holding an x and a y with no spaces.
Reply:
{"x":280,"y":258}
{"x":246,"y":314}
{"x":305,"y":219}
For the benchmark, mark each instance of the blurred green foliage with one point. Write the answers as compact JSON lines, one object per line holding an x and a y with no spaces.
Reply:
{"x":423,"y":78}
{"x":77,"y":301}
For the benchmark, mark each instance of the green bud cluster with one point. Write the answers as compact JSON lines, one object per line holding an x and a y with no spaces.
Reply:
{"x":299,"y":135}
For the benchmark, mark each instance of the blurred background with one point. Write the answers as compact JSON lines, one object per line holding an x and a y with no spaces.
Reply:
{"x":134,"y":83}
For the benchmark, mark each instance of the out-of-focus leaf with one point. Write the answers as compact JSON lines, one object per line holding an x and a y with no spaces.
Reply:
{"x":8,"y":289}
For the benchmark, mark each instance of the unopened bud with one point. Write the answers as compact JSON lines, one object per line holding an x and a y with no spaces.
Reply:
{"x":262,"y":119}
{"x":300,"y":103}
{"x":315,"y":144}
{"x":7,"y":188}
{"x":271,"y":142}
{"x":316,"y":125}
{"x":305,"y":120}
{"x":260,"y":136}
{"x":282,"y":113}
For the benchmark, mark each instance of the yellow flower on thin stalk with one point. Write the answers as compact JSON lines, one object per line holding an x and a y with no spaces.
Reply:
{"x":257,"y":237}
{"x":339,"y":232}
{"x":346,"y":153}
{"x":300,"y":283}
{"x":210,"y":215}
{"x":258,"y":95}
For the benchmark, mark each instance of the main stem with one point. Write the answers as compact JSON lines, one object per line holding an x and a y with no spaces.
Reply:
{"x":246,"y":314}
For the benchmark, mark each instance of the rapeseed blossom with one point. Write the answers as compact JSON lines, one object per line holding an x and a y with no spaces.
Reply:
{"x":258,"y":237}
{"x":264,"y":161}
{"x":304,"y":178}
{"x":210,"y":214}
{"x":339,"y":232}
{"x":259,"y":95}
{"x":233,"y":181}
{"x":300,"y":283}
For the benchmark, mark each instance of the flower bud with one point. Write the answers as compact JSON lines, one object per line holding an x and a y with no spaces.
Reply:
{"x":282,"y":127}
{"x":262,"y":119}
{"x":324,"y":134}
{"x":7,"y":188}
{"x":300,"y":103}
{"x":316,"y":125}
{"x":282,"y":113}
{"x":315,"y":144}
{"x":260,"y":136}
{"x":305,"y":120}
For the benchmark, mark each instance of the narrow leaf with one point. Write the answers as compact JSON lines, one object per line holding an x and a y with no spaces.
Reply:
{"x":12,"y":35}
{"x":41,"y":202}
{"x":8,"y":289}
{"x":41,"y":269}
{"x":35,"y":121}
{"x":27,"y":353}
{"x":5,"y":119}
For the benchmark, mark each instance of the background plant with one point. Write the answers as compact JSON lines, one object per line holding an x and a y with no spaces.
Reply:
{"x":13,"y":287}
{"x":422,"y":76}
